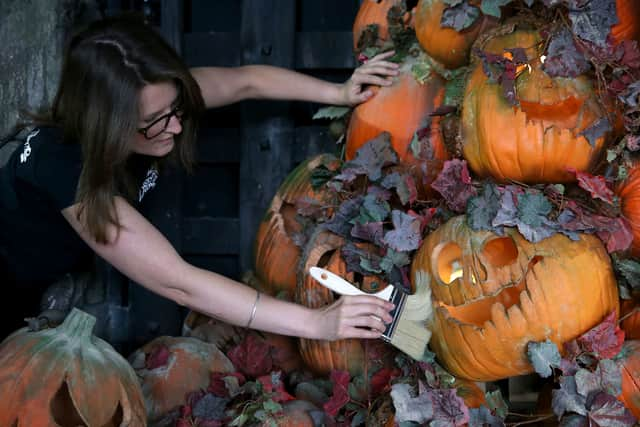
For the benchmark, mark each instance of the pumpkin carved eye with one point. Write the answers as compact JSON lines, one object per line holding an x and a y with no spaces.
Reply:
{"x":448,"y":263}
{"x":500,"y":252}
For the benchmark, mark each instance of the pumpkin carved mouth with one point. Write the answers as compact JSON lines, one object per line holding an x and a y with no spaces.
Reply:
{"x":493,"y":294}
{"x":499,"y":253}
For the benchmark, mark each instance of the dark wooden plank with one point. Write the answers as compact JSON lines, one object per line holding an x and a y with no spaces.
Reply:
{"x":218,"y":145}
{"x":211,"y":236}
{"x":268,"y":37}
{"x":212,"y":49}
{"x":326,"y":49}
{"x":312,"y":140}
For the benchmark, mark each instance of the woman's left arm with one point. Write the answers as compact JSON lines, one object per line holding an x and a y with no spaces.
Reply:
{"x":223,"y":86}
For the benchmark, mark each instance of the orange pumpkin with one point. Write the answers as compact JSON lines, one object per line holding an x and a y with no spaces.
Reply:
{"x":275,"y":253}
{"x":373,"y":12}
{"x":628,"y":26}
{"x":446,"y":45}
{"x":630,"y":369}
{"x":629,"y":193}
{"x":66,"y":377}
{"x":353,"y":355}
{"x":183,"y":365}
{"x":630,"y":312}
{"x":494,"y":294}
{"x":400,"y":109}
{"x":538,"y":140}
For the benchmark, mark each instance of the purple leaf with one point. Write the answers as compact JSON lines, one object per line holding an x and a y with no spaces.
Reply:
{"x":567,"y":399}
{"x":543,"y":356}
{"x":373,"y":156}
{"x":563,"y":58}
{"x":406,"y":235}
{"x":454,"y":184}
{"x":607,"y":411}
{"x":408,"y":408}
{"x":460,"y":16}
{"x":404,"y":184}
{"x":596,"y":130}
{"x":448,"y":408}
{"x":592,"y":20}
{"x":482,"y":209}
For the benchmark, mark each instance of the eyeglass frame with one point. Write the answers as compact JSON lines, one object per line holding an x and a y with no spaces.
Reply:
{"x":175,"y":111}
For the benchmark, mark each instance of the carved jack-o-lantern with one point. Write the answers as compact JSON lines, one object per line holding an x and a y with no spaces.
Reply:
{"x":494,"y":294}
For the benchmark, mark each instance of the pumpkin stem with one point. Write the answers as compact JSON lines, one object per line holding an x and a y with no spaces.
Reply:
{"x":78,"y":324}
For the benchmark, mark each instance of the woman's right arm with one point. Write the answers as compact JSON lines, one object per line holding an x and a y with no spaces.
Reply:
{"x":144,"y":255}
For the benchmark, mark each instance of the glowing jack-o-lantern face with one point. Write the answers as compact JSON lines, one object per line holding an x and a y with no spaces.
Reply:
{"x":494,"y":294}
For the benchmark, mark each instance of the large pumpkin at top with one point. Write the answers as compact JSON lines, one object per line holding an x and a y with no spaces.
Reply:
{"x":446,"y":45}
{"x":67,"y":377}
{"x":276,"y":254}
{"x":539,"y":139}
{"x":373,"y":12}
{"x":401,"y":109}
{"x":494,"y":294}
{"x":353,"y":355}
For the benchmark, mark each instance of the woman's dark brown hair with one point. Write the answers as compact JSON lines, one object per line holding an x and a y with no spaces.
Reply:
{"x":105,"y":68}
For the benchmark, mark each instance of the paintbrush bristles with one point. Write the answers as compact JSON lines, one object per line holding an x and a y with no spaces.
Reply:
{"x":411,"y":337}
{"x":411,"y":334}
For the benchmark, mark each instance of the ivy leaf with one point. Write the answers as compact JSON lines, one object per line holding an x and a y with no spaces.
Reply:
{"x":360,"y":260}
{"x":373,"y":156}
{"x":596,"y":130}
{"x":340,"y":395}
{"x":629,"y":269}
{"x":342,"y":222}
{"x":603,"y":340}
{"x":460,"y":16}
{"x":592,"y":20}
{"x":527,"y":212}
{"x":404,"y":184}
{"x":406,"y":235}
{"x":595,"y":185}
{"x":448,"y":408}
{"x":370,"y":231}
{"x":567,"y":399}
{"x":607,"y":411}
{"x":543,"y":356}
{"x":454,"y":184}
{"x":252,"y":356}
{"x":496,"y":403}
{"x":331,"y":112}
{"x":373,"y":209}
{"x":607,"y":377}
{"x":482,"y":416}
{"x":394,"y":259}
{"x":563,"y":58}
{"x":418,"y":409}
{"x":482,"y":209}
{"x":492,"y":7}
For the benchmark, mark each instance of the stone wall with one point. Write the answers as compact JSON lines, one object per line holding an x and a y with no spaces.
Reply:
{"x":32,"y":37}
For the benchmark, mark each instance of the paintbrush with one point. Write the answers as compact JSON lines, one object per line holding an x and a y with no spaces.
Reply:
{"x":408,"y":330}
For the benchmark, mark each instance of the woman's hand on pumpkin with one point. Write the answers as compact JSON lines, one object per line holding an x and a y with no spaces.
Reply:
{"x":376,"y":71}
{"x":361,"y":316}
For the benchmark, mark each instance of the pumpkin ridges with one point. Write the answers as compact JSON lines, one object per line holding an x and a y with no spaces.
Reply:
{"x":629,"y":193}
{"x":512,"y":143}
{"x":630,"y":370}
{"x":526,"y":295}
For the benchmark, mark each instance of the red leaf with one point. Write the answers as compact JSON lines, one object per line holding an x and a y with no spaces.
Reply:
{"x":604,"y":340}
{"x":618,"y":235}
{"x":340,"y":397}
{"x":273,"y":385}
{"x":381,"y":380}
{"x":158,"y":357}
{"x":252,"y":356}
{"x":595,"y":185}
{"x":217,"y":385}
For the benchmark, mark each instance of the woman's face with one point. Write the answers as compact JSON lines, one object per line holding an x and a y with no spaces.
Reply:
{"x":158,"y":108}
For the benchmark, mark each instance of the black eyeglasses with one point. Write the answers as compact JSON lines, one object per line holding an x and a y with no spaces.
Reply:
{"x":160,"y":124}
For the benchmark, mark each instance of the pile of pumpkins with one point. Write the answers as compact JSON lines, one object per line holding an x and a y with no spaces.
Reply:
{"x":492,"y":294}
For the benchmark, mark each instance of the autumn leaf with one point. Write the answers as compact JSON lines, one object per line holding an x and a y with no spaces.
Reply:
{"x":592,"y":20}
{"x":459,"y":17}
{"x":158,"y":357}
{"x":563,"y":58}
{"x":544,"y":356}
{"x":406,"y":234}
{"x":482,"y":209}
{"x":408,"y":408}
{"x":252,"y":356}
{"x":603,"y":340}
{"x":373,"y":156}
{"x":567,"y":398}
{"x":448,"y":408}
{"x":340,"y":395}
{"x":607,"y":411}
{"x":454,"y":184}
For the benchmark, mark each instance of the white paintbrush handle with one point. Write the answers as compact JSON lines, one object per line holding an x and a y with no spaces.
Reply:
{"x":339,"y":285}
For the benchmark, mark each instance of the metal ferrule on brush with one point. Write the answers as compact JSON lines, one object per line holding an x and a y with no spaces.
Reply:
{"x":398,"y":298}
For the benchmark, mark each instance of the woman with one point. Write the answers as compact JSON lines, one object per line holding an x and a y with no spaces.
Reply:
{"x":126,"y":102}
